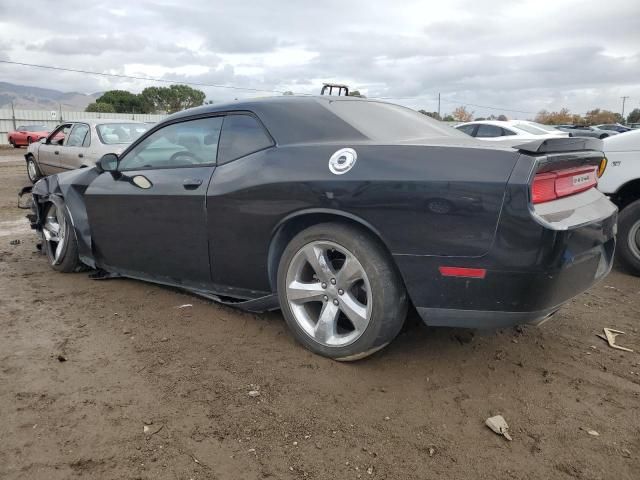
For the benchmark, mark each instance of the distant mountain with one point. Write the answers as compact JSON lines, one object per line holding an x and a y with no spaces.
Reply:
{"x":34,"y":98}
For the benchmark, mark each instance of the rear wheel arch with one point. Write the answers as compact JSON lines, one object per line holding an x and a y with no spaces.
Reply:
{"x":627,"y":193}
{"x":293,"y":224}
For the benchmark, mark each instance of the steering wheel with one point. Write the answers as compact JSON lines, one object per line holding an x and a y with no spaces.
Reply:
{"x":184,"y":158}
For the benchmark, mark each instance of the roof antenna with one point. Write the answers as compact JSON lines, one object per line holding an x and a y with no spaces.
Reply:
{"x":342,"y":90}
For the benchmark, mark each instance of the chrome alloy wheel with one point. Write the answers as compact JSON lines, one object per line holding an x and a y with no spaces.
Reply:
{"x":31,"y":170}
{"x":329,"y":293}
{"x":54,"y":231}
{"x":634,"y":239}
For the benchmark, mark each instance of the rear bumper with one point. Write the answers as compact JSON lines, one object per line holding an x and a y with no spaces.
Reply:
{"x":532,"y":269}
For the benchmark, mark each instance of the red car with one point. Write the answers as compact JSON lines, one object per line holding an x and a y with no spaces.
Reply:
{"x":24,"y":135}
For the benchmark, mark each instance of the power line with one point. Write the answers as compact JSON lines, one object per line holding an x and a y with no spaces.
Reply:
{"x":246,"y":89}
{"x":133,"y":77}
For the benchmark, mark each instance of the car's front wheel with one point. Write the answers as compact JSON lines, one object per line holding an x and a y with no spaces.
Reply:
{"x":59,"y":240}
{"x":340,"y":293}
{"x":33,"y":172}
{"x":629,"y":236}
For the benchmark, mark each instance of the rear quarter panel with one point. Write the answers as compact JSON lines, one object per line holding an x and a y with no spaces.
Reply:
{"x":390,"y":188}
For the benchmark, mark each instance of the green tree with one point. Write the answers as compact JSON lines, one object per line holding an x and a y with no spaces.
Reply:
{"x":448,"y":118}
{"x":430,"y":114}
{"x":288,"y":92}
{"x":634,"y":116}
{"x":123,"y":101}
{"x":356,"y":93}
{"x":100,"y":107}
{"x":171,"y":99}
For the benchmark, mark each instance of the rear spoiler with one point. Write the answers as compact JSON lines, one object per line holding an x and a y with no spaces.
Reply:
{"x":560,"y":145}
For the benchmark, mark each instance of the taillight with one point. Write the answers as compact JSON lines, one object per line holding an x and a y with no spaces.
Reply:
{"x":548,"y":186}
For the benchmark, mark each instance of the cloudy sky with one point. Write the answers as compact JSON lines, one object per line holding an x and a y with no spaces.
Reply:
{"x":517,"y":56}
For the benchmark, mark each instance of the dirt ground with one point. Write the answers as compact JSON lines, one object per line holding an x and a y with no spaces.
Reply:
{"x":152,"y":391}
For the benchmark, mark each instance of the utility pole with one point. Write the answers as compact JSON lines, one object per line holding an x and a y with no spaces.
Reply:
{"x":624,"y":99}
{"x":439,"y":106}
{"x":13,"y":115}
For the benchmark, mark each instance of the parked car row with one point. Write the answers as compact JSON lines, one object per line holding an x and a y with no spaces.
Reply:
{"x":496,"y":130}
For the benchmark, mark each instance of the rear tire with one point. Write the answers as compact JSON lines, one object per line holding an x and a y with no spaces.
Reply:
{"x":629,"y":236}
{"x":59,"y":240}
{"x":339,"y":312}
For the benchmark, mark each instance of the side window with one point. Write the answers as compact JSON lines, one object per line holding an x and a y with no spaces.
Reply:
{"x":241,"y":135}
{"x":488,"y":131}
{"x":59,"y":134}
{"x":468,"y":129}
{"x":78,"y":135}
{"x":506,"y":132}
{"x":193,"y":142}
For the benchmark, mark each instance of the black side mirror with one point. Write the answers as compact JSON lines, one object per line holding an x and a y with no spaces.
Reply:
{"x":108,"y":163}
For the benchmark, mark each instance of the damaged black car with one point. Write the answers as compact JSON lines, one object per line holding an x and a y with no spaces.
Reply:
{"x":343,"y":213}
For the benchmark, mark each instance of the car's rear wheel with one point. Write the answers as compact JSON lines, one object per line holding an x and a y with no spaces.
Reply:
{"x":340,"y":292}
{"x":33,"y":172}
{"x":59,"y":240}
{"x":629,"y":236}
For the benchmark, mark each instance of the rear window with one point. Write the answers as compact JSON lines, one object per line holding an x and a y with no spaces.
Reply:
{"x":530,"y":129}
{"x":386,"y":122}
{"x":120,"y":133}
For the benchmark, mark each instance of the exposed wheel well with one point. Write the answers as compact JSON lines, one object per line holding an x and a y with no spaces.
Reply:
{"x":291,"y":227}
{"x":628,"y":193}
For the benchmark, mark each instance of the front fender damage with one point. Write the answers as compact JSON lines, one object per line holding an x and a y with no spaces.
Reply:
{"x":66,"y":191}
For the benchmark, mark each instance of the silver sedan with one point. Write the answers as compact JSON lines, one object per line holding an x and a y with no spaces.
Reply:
{"x":80,"y":144}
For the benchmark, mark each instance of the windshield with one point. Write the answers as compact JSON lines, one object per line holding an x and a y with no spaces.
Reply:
{"x":115,"y":133}
{"x":548,"y":128}
{"x":530,"y":129}
{"x":386,"y":122}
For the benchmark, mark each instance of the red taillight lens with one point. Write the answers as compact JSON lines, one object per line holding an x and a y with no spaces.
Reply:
{"x":562,"y":183}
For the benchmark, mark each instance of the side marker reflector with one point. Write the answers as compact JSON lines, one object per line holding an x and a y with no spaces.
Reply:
{"x":462,"y":272}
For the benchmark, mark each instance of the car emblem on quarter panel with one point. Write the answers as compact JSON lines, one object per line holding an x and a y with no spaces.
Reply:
{"x":342,"y":161}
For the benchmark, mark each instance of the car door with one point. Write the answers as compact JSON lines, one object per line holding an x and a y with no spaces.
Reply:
{"x":72,"y":153}
{"x":49,"y":151}
{"x":148,"y":219}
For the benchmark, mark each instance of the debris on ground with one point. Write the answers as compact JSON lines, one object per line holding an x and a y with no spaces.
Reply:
{"x":186,"y":305}
{"x":499,"y":425}
{"x":593,"y":433}
{"x":254,"y":393}
{"x":610,"y":337}
{"x":14,"y":242}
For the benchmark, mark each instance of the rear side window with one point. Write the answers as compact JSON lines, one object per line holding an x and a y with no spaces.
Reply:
{"x":241,"y":135}
{"x":468,"y":129}
{"x":488,"y":131}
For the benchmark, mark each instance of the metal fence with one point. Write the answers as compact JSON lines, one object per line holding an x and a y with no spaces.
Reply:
{"x":11,"y":119}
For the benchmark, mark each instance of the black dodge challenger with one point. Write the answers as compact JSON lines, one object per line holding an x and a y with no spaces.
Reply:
{"x":341,"y":212}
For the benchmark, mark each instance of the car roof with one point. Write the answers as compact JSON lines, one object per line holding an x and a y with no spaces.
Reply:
{"x":497,"y":123}
{"x":101,"y":121}
{"x":300,"y":119}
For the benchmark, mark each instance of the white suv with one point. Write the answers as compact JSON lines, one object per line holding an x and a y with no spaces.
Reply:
{"x":621,"y":181}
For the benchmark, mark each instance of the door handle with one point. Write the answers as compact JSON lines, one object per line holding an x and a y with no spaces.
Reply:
{"x":81,"y":155}
{"x":56,"y":152}
{"x":192,"y":183}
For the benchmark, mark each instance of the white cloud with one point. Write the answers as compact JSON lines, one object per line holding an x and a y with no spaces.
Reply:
{"x":524,"y":55}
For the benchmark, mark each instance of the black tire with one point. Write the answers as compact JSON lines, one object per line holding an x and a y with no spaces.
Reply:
{"x":628,"y":236}
{"x":389,"y":297}
{"x":68,"y":261}
{"x":33,"y":173}
{"x":29,"y":140}
{"x":13,"y":144}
